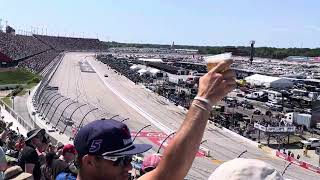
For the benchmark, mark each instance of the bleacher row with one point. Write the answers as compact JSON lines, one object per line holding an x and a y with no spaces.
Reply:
{"x":35,"y":52}
{"x":19,"y":46}
{"x":69,"y":43}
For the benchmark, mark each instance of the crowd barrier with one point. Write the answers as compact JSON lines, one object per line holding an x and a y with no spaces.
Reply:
{"x":23,"y":122}
{"x":295,"y":161}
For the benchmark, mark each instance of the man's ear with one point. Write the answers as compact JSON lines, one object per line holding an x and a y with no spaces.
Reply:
{"x":89,"y":161}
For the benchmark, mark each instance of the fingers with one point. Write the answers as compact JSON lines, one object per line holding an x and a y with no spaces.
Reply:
{"x":229,"y":74}
{"x":222,"y":66}
{"x":229,"y":85}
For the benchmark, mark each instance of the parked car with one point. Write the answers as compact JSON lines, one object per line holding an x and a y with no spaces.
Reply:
{"x":240,"y":95}
{"x":311,"y":143}
{"x":68,"y":122}
{"x":257,"y":112}
{"x":106,"y":75}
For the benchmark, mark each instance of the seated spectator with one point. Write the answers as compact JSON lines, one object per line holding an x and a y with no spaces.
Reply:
{"x":46,"y":169}
{"x":29,"y":158}
{"x":66,"y":176}
{"x":65,"y":163}
{"x":51,"y":148}
{"x":244,"y":169}
{"x":68,"y":153}
{"x":105,"y":147}
{"x":59,"y":149}
{"x":16,"y":173}
{"x":3,"y":163}
{"x":3,"y":160}
{"x":150,"y":162}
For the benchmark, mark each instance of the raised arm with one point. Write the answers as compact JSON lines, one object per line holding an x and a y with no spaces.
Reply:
{"x":179,"y":155}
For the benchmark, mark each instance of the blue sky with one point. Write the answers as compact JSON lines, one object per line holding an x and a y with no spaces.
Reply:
{"x":276,"y":23}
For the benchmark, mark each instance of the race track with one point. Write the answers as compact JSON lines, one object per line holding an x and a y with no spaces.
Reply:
{"x":116,"y":95}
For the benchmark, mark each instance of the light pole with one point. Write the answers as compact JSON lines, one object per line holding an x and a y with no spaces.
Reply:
{"x":56,"y":110}
{"x":44,"y":96}
{"x":114,"y":116}
{"x":164,"y":141}
{"x":242,"y":153}
{"x":52,"y":105}
{"x":85,"y":116}
{"x":49,"y":103}
{"x":140,"y":131}
{"x":124,"y":120}
{"x":72,"y":115}
{"x":63,"y":112}
{"x":285,"y":169}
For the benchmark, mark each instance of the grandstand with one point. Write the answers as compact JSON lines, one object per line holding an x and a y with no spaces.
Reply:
{"x":69,"y":43}
{"x":36,"y":51}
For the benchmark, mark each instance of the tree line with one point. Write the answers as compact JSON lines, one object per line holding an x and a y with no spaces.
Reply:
{"x":265,"y":52}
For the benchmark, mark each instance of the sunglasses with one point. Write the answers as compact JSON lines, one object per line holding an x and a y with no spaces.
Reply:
{"x":119,"y":160}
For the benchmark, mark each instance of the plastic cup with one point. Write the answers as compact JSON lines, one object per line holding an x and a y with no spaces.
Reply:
{"x":213,"y":61}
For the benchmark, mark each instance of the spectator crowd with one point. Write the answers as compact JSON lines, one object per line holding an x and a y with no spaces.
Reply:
{"x":38,"y":62}
{"x":37,"y":51}
{"x":70,"y":43}
{"x":19,"y":46}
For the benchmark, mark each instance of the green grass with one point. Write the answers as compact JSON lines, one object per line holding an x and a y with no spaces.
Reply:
{"x":30,"y":85}
{"x":7,"y":100}
{"x":23,"y":92}
{"x":26,"y":89}
{"x":17,"y":76}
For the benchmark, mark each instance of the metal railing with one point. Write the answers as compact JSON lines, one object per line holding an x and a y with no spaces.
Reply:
{"x":18,"y":117}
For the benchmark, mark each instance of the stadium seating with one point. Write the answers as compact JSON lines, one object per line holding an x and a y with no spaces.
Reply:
{"x":18,"y":46}
{"x":38,"y":62}
{"x":68,"y":43}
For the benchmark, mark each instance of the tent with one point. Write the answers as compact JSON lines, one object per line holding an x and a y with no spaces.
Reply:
{"x":135,"y":67}
{"x":150,"y":59}
{"x":268,"y":81}
{"x":143,"y":71}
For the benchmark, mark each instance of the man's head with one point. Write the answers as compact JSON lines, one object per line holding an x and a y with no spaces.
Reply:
{"x":35,"y":137}
{"x":69,"y":152}
{"x":242,"y":169}
{"x":105,"y":150}
{"x":59,"y":148}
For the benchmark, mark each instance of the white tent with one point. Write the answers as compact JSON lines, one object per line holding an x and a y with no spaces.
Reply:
{"x":151,"y":59}
{"x":154,"y":71}
{"x":268,"y":81}
{"x":142,"y":71}
{"x":135,"y":67}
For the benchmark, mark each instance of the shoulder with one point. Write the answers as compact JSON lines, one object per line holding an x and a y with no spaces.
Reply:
{"x":59,"y":163}
{"x":28,"y":150}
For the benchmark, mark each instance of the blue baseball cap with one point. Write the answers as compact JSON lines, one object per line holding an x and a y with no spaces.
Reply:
{"x":107,"y":137}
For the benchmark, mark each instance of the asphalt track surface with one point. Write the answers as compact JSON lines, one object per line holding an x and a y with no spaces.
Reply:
{"x":116,"y":95}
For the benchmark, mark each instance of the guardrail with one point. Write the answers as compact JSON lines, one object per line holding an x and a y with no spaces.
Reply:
{"x":302,"y":164}
{"x":18,"y":117}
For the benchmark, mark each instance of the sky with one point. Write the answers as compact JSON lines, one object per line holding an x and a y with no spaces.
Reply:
{"x":272,"y":23}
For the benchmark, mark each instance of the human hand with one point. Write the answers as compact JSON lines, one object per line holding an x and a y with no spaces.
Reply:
{"x":217,"y":83}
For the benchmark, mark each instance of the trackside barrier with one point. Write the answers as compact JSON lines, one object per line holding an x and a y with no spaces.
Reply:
{"x":24,"y":123}
{"x":302,"y":164}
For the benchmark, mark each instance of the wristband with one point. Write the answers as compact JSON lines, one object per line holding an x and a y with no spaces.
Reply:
{"x":201,"y":107}
{"x":204,"y":100}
